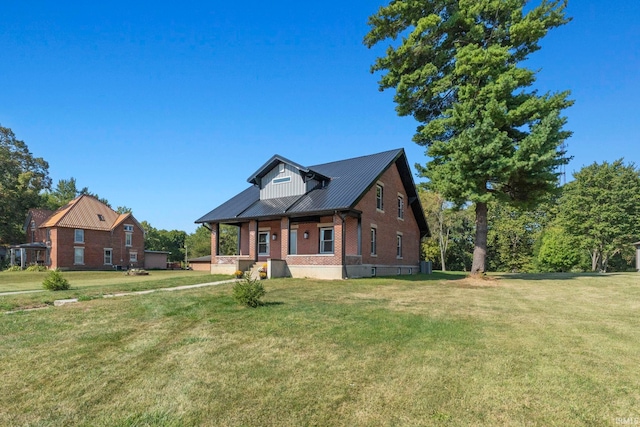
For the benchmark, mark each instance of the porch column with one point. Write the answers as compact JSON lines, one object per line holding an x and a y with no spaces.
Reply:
{"x":253,"y":240}
{"x":23,"y":258}
{"x":359,"y":235}
{"x":215,"y":240}
{"x":284,"y":237}
{"x":339,"y":243}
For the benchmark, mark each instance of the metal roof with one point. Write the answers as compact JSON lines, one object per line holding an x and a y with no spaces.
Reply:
{"x":89,"y":213}
{"x":349,"y":180}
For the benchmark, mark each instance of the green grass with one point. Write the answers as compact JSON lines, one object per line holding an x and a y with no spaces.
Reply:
{"x":90,"y":284}
{"x":510,"y":350}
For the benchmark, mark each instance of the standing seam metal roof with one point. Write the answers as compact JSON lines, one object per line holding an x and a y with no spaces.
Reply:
{"x":349,"y":181}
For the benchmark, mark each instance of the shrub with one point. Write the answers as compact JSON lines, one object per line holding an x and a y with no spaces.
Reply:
{"x":14,"y":268}
{"x":36,"y":267}
{"x":248,"y":291}
{"x":55,"y":282}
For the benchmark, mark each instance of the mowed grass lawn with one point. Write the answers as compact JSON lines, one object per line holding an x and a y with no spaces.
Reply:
{"x":431,"y":350}
{"x":32,"y":280}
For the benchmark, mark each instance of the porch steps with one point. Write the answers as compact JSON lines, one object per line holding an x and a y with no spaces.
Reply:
{"x":254,"y":270}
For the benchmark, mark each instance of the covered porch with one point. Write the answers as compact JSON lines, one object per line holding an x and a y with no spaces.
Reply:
{"x":29,"y":253}
{"x":327,"y":246}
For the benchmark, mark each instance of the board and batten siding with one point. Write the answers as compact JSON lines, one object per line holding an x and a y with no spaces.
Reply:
{"x":273,"y":190}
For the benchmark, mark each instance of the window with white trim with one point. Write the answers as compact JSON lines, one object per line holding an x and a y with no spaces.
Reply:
{"x":326,"y":240}
{"x":133,"y":256}
{"x":379,"y":197}
{"x":128,"y":239}
{"x":78,"y":256}
{"x":282,"y":180}
{"x":263,"y":243}
{"x":78,"y":236}
{"x":399,"y":246}
{"x":374,"y":242}
{"x":400,"y":206}
{"x":108,"y":256}
{"x":128,"y":228}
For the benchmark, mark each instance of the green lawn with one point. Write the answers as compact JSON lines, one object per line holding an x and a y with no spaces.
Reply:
{"x":442,"y":350}
{"x":27,"y":280}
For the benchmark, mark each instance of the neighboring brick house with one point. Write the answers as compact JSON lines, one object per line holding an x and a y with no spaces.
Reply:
{"x":85,"y":234}
{"x":358,"y":217}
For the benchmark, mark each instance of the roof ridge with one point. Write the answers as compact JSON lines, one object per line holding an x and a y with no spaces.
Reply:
{"x":357,"y":157}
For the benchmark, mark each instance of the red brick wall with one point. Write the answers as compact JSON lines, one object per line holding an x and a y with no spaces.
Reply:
{"x":308,"y":249}
{"x":95,"y":241}
{"x":388,"y":224}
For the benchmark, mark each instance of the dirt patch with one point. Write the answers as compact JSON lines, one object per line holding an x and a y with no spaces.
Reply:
{"x":471,"y":282}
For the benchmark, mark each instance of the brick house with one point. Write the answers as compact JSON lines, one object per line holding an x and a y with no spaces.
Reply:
{"x":85,"y":234}
{"x":357,"y":217}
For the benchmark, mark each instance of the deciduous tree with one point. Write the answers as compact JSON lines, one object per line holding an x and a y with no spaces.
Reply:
{"x":164,"y":240}
{"x":457,"y":70}
{"x":601,"y":207}
{"x":22,"y":178}
{"x":65,"y":191}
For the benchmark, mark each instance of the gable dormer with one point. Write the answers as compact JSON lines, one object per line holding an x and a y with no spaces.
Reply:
{"x":280,"y":177}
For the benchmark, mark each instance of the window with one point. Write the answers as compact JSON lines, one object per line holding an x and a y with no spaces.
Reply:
{"x":293,"y":242}
{"x":326,"y":240}
{"x":100,"y":217}
{"x":108,"y":256}
{"x":373,"y":272}
{"x":78,"y":236}
{"x":128,"y":228}
{"x":281,"y":180}
{"x":133,"y":256}
{"x":399,"y":246}
{"x":374,"y":249}
{"x":263,"y":243}
{"x":379,"y":197}
{"x":400,"y":207}
{"x":128,"y":238}
{"x":78,"y":256}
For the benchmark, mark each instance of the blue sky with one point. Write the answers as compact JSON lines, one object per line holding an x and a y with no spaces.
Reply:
{"x":168,"y":107}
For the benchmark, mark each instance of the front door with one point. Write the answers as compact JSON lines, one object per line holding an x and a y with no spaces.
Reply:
{"x":293,"y":242}
{"x":263,"y":243}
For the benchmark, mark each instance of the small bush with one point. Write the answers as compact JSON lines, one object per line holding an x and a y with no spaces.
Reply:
{"x":36,"y":267}
{"x":55,"y":282}
{"x":14,"y":268}
{"x":248,"y":291}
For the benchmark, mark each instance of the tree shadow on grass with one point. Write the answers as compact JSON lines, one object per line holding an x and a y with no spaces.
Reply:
{"x":271,"y":303}
{"x":547,"y":276}
{"x":433,"y":277}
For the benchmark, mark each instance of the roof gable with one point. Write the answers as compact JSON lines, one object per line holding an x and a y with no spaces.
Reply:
{"x":37,"y":216}
{"x":274,"y":161}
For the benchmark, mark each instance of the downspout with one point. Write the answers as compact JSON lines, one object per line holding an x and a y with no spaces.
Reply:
{"x":344,"y":248}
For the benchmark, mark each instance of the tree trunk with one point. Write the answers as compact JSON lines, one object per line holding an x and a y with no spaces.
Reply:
{"x":480,"y":250}
{"x":595,"y":259}
{"x":443,"y":247}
